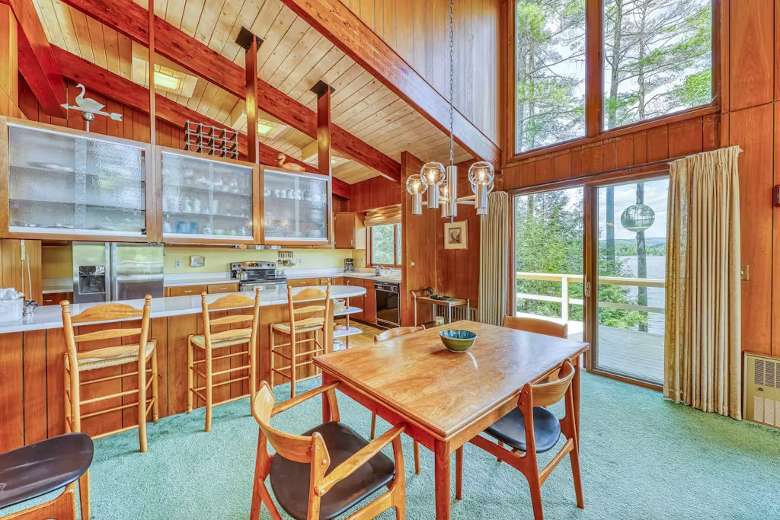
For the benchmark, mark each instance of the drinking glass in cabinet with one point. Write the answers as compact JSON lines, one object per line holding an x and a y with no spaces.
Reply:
{"x":64,"y":183}
{"x":296,"y":207}
{"x":205,"y":197}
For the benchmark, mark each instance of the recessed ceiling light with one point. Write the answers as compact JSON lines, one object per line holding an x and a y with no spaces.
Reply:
{"x":166,"y":81}
{"x":265,"y":127}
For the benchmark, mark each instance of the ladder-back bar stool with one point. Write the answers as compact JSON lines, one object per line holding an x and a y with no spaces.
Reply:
{"x":216,"y":338}
{"x":308,"y":308}
{"x":141,"y":353}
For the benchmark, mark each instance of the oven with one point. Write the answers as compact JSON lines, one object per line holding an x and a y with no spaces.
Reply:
{"x":388,"y":304}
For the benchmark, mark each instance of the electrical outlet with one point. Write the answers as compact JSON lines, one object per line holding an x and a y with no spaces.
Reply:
{"x":177,"y":263}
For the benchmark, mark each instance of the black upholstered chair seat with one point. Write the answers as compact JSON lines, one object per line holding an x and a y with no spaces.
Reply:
{"x":290,"y":480}
{"x":510,"y":429}
{"x":43,"y":467}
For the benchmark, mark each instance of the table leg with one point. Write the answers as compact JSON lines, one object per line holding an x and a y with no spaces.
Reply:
{"x":327,"y":413}
{"x":442,"y":475}
{"x":576,"y":394}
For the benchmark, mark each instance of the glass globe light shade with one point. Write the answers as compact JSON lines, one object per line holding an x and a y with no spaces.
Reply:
{"x":433,"y":174}
{"x":481,"y":173}
{"x":415,"y":188}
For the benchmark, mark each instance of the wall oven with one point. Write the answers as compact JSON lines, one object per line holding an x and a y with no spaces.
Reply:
{"x":388,"y":305}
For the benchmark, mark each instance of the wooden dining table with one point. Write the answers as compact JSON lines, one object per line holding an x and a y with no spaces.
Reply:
{"x":444,"y":398}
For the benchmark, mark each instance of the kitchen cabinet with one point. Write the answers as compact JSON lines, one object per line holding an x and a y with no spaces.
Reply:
{"x":222,"y":288}
{"x":207,"y":199}
{"x":68,"y":183}
{"x":186,"y":290}
{"x":297,"y":208}
{"x":349,"y":231}
{"x":369,"y":311}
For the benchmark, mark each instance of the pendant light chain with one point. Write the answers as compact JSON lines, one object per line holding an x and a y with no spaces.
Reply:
{"x":452,"y":79}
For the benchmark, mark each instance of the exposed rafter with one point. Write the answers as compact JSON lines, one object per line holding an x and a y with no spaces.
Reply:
{"x":133,"y":95}
{"x":36,"y":63}
{"x":129,"y":19}
{"x":341,"y":26}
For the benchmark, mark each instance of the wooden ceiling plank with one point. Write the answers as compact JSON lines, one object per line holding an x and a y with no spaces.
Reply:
{"x":306,"y":65}
{"x":302,"y":52}
{"x":191,"y":16}
{"x":135,"y":96}
{"x":206,"y":63}
{"x":209,"y":17}
{"x":284,"y":48}
{"x":344,"y":28}
{"x":36,"y":62}
{"x":298,"y":83}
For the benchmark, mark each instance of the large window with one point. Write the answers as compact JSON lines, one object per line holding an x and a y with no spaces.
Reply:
{"x":550,"y":72}
{"x":657,"y":58}
{"x":385,"y":244}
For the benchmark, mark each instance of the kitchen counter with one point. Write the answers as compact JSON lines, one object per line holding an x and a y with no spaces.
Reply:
{"x":50,"y":317}
{"x":179,"y":280}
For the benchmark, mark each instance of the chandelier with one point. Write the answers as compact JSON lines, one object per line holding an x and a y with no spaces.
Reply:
{"x":440,"y":182}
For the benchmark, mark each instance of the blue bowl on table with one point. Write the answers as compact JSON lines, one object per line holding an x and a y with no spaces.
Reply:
{"x":457,"y":340}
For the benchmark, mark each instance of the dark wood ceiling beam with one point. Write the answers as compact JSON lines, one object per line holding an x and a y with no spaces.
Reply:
{"x":130,"y":94}
{"x":347,"y":31}
{"x":36,"y":62}
{"x":129,"y":19}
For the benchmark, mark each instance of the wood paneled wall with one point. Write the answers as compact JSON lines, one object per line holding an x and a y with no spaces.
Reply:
{"x":376,"y":192}
{"x":134,"y":124}
{"x":748,"y":115}
{"x":417,"y":31}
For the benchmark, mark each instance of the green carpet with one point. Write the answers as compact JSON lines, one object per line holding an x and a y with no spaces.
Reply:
{"x":643,"y":458}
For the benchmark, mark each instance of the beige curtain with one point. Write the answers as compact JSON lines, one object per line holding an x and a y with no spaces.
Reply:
{"x":494,"y":259}
{"x":703,"y":347}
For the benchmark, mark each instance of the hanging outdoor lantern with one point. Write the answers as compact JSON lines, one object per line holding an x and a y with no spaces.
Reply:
{"x":637,"y":217}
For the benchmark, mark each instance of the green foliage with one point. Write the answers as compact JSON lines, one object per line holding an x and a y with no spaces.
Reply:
{"x":658,"y":57}
{"x":383,"y":244}
{"x":548,"y":239}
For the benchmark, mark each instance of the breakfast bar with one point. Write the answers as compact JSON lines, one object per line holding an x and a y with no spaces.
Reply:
{"x":32,"y":353}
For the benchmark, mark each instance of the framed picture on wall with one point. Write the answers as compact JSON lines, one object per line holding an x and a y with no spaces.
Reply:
{"x":456,"y":235}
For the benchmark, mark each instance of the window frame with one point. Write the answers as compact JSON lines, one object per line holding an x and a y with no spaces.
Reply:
{"x":594,"y":85}
{"x":397,"y":254}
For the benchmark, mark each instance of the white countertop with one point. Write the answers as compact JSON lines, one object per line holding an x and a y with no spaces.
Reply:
{"x":181,"y":279}
{"x":50,"y":317}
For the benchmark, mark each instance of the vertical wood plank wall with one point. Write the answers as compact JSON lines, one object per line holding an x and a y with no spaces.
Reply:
{"x":749,"y":116}
{"x":417,"y":30}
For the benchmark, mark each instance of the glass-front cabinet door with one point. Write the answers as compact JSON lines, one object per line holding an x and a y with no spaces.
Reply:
{"x":297,"y":208}
{"x":75,"y":184}
{"x":206,"y":199}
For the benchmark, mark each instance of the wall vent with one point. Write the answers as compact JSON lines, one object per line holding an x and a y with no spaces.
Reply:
{"x":762,"y":389}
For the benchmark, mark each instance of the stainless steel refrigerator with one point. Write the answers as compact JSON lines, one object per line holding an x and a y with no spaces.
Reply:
{"x":113,"y":271}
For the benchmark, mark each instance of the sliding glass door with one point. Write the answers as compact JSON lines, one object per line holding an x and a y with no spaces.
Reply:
{"x":630,"y":270}
{"x":548,"y":253}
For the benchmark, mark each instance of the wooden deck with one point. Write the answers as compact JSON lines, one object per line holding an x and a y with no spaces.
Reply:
{"x":627,"y":352}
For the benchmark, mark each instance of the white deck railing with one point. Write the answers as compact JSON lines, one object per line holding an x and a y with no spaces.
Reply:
{"x":565,"y":300}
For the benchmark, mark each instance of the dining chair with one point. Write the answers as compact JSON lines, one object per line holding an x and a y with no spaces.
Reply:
{"x":384,"y":336}
{"x":531,"y":429}
{"x":327,"y":470}
{"x":92,"y":352}
{"x":216,"y":339}
{"x":544,"y":326}
{"x":42,"y":468}
{"x":308,"y":310}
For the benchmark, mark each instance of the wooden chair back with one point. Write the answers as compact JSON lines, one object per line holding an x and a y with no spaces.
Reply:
{"x":102,"y":313}
{"x":297,"y":448}
{"x":309,"y":302}
{"x":249,"y":320}
{"x":537,"y":325}
{"x":396,"y":332}
{"x":554,"y":388}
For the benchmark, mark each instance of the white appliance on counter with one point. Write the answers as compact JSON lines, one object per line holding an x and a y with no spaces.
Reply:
{"x":113,"y":271}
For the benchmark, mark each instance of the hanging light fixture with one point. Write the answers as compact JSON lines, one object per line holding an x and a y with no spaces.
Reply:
{"x":441,"y":182}
{"x":415,"y":187}
{"x":481,"y":178}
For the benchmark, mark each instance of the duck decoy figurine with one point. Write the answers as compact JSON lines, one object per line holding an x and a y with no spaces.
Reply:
{"x":89,"y":107}
{"x":280,"y":161}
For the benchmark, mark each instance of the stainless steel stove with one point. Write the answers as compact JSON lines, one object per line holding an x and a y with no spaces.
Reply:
{"x":257,"y":274}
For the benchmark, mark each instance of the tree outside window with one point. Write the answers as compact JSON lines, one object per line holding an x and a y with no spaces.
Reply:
{"x":385,"y":244}
{"x":550,"y":72}
{"x":657,"y":58}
